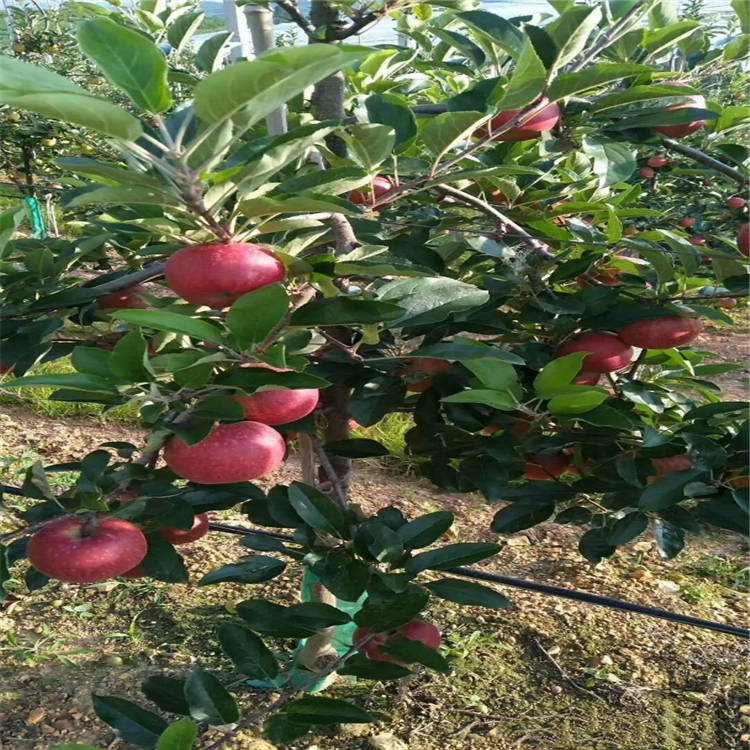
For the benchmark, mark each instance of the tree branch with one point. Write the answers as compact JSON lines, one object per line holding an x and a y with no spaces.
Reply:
{"x":702,"y":158}
{"x":147,"y":273}
{"x":346,"y":241}
{"x":291,"y":9}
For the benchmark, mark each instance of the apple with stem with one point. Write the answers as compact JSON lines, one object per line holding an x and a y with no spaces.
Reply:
{"x":87,"y":549}
{"x":530,"y":128}
{"x":687,"y":128}
{"x":236,"y":452}
{"x":665,"y":332}
{"x":606,"y":351}
{"x":218,"y":275}
{"x":371,"y":194}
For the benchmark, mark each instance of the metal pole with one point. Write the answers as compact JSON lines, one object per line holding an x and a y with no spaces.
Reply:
{"x":260,"y":22}
{"x":237,"y":24}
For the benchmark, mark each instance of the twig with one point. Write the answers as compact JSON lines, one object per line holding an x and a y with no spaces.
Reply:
{"x":346,"y":241}
{"x":294,"y":13}
{"x":302,"y":298}
{"x":325,"y":462}
{"x":357,"y":24}
{"x":25,"y":530}
{"x":350,"y":350}
{"x":702,"y":158}
{"x":564,"y":674}
{"x":194,"y":201}
{"x":151,"y":271}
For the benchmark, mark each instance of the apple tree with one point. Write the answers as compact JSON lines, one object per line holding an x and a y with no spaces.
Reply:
{"x":443,"y":232}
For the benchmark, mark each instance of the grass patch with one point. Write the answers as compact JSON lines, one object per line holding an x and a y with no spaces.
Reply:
{"x":37,"y":400}
{"x":390,"y":432}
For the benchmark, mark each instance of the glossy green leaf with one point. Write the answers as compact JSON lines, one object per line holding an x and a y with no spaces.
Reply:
{"x":178,"y":736}
{"x":129,"y":721}
{"x":38,"y":90}
{"x":410,"y":651}
{"x":469,"y":353}
{"x":209,"y":700}
{"x":316,"y":509}
{"x":357,"y":448}
{"x":250,"y":656}
{"x":496,"y":399}
{"x":468,"y":592}
{"x":172,"y":322}
{"x":388,"y":614}
{"x":259,"y":86}
{"x":423,"y":531}
{"x":670,"y":539}
{"x":370,"y":669}
{"x":120,"y":195}
{"x":614,"y":161}
{"x":527,"y":81}
{"x":167,"y":693}
{"x":130,"y":60}
{"x":627,"y":528}
{"x":163,"y":562}
{"x":345,"y":311}
{"x":254,"y":315}
{"x":72,"y":381}
{"x":521,"y":515}
{"x":371,"y":143}
{"x":180,"y":32}
{"x":394,"y":111}
{"x":558,"y":374}
{"x":251,"y":569}
{"x":577,"y":403}
{"x":10,"y":220}
{"x":594,"y":545}
{"x":451,"y":556}
{"x":447,"y":130}
{"x":595,"y":76}
{"x":667,"y":490}
{"x":572,"y":31}
{"x":316,"y":709}
{"x":210,"y":54}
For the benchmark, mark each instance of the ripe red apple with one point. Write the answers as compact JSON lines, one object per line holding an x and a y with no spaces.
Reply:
{"x":136,"y":572}
{"x":687,"y":221}
{"x":727,"y":303}
{"x":181,"y":536}
{"x":662,"y":333}
{"x":498,"y":196}
{"x":523,"y":425}
{"x":680,"y":131}
{"x":658,"y":161}
{"x":735,"y":202}
{"x":416,"y":630}
{"x":548,"y":467}
{"x":698,"y":240}
{"x":125,"y":299}
{"x":4,"y":369}
{"x":743,"y":240}
{"x":646,"y":172}
{"x":419,"y":386}
{"x":236,"y":452}
{"x":607,"y":352}
{"x":379,"y":186}
{"x":531,"y":128}
{"x":279,"y":405}
{"x":671,"y":464}
{"x":587,"y":378}
{"x":88,"y":550}
{"x":604,"y":275}
{"x":429,"y":364}
{"x":218,"y":275}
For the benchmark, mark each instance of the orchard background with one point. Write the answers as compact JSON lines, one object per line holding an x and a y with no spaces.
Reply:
{"x":484,"y":303}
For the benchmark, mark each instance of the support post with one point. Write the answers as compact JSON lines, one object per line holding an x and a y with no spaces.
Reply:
{"x":237,"y":24}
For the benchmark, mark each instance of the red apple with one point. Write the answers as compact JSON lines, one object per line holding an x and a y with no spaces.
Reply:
{"x":727,"y":303}
{"x":587,"y":378}
{"x":646,"y":172}
{"x":88,"y":550}
{"x":743,"y":240}
{"x":136,"y":572}
{"x":687,"y":221}
{"x":532,"y":127}
{"x":279,"y":405}
{"x":429,"y":364}
{"x":523,"y":425}
{"x":658,"y":161}
{"x":379,"y":186}
{"x":416,"y":630}
{"x":419,"y":386}
{"x":236,"y":452}
{"x":125,"y":299}
{"x":607,"y":352}
{"x":218,"y":275}
{"x":4,"y":369}
{"x":698,"y":240}
{"x":662,"y":333}
{"x":603,"y":275}
{"x":180,"y":536}
{"x":735,"y":202}
{"x":671,"y":464}
{"x":680,"y":131}
{"x":548,"y":467}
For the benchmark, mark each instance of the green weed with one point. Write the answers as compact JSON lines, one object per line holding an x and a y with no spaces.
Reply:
{"x":390,"y":432}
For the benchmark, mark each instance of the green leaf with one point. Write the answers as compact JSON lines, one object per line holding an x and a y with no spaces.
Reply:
{"x":302,"y":204}
{"x":316,"y":509}
{"x":614,"y":161}
{"x":447,"y":130}
{"x":658,"y":41}
{"x":667,"y":490}
{"x":498,"y":31}
{"x":409,"y":651}
{"x":558,"y":374}
{"x":209,"y":56}
{"x":707,"y":411}
{"x":388,"y":614}
{"x":451,"y":556}
{"x":180,"y":32}
{"x":724,"y":513}
{"x":627,"y":528}
{"x":577,"y":403}
{"x":344,"y":576}
{"x":423,"y":531}
{"x":128,"y":357}
{"x":209,"y":700}
{"x":178,"y":736}
{"x":521,"y":515}
{"x":251,"y":569}
{"x":357,"y":448}
{"x":606,"y":416}
{"x":315,"y":709}
{"x":371,"y":143}
{"x":527,"y":82}
{"x":469,"y":352}
{"x":72,"y":381}
{"x":394,"y":111}
{"x":742,"y":9}
{"x":250,"y":656}
{"x":129,"y":721}
{"x":494,"y":374}
{"x":130,"y":60}
{"x":281,"y":729}
{"x":121,"y":194}
{"x":172,"y":322}
{"x":669,"y":539}
{"x":369,"y":669}
{"x":572,"y":31}
{"x":259,"y":86}
{"x":496,"y":399}
{"x":344,"y":311}
{"x":167,"y":693}
{"x":430,"y":300}
{"x":595,"y":76}
{"x":163,"y":562}
{"x":462,"y":43}
{"x":594,"y":545}
{"x":467,"y":592}
{"x":255,"y":314}
{"x":10,"y":220}
{"x":38,"y":90}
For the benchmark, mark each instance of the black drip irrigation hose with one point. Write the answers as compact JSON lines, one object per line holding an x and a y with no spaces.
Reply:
{"x":543,"y":588}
